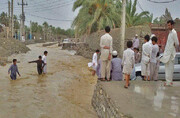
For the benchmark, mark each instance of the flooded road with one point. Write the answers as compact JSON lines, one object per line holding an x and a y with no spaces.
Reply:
{"x":65,"y":92}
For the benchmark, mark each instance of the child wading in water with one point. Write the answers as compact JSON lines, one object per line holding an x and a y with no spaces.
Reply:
{"x":44,"y":58}
{"x":40,"y":65}
{"x":128,"y":63}
{"x":13,"y":70}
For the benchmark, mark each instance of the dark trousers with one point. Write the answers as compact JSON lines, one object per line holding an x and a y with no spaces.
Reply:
{"x":39,"y":69}
{"x":13,"y":76}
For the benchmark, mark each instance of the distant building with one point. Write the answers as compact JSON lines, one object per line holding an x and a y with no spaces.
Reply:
{"x":162,"y":32}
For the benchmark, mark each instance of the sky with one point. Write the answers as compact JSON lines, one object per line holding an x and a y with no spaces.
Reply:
{"x":59,"y":12}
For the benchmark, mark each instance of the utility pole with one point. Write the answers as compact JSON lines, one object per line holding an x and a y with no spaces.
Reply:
{"x":123,"y":26}
{"x":22,"y":32}
{"x":12,"y":18}
{"x":30,"y":36}
{"x":9,"y":16}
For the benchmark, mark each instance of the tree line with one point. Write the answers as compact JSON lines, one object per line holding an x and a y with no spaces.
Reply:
{"x":44,"y":30}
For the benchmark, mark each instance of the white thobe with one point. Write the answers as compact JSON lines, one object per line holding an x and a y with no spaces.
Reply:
{"x":94,"y":61}
{"x":44,"y":58}
{"x":154,"y":68}
{"x":128,"y":61}
{"x":106,"y":40}
{"x":145,"y":62}
{"x":135,"y":43}
{"x":169,"y":55}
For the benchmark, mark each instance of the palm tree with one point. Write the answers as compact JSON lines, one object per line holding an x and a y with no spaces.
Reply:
{"x":133,"y":18}
{"x":4,"y":19}
{"x":95,"y":15}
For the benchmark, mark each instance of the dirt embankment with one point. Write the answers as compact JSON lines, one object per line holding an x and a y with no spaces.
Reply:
{"x":9,"y":47}
{"x":92,"y":41}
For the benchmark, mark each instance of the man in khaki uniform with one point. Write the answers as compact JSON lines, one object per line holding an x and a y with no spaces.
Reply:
{"x":106,"y":51}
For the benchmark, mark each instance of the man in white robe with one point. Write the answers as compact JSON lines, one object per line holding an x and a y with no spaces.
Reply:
{"x":135,"y":42}
{"x":106,"y":54}
{"x":170,"y":53}
{"x":146,"y":55}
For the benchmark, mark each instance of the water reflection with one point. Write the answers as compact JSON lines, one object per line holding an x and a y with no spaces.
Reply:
{"x":162,"y":98}
{"x":158,"y":99}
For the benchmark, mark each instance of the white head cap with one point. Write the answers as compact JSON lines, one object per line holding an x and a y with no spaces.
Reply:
{"x":136,"y":35}
{"x":152,"y":35}
{"x":114,"y":53}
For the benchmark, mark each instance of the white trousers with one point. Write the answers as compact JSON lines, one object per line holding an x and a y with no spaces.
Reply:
{"x":145,"y":69}
{"x":154,"y":69}
{"x":169,"y":70}
{"x":45,"y":69}
{"x":105,"y":69}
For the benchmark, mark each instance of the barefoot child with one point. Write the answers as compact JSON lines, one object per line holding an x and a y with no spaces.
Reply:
{"x":13,"y":70}
{"x":95,"y":61}
{"x":40,"y":65}
{"x":128,"y":63}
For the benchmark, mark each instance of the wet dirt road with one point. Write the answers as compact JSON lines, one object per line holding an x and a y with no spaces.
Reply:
{"x":65,"y":92}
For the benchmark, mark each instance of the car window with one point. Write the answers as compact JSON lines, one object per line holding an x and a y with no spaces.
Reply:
{"x":177,"y":60}
{"x":161,"y":64}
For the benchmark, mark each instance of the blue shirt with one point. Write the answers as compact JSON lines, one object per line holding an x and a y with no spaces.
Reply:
{"x":13,"y":69}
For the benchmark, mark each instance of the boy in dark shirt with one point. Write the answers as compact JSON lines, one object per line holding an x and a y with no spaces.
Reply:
{"x":40,"y":65}
{"x":13,"y":70}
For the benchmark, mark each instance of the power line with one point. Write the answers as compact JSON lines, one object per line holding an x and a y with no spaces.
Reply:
{"x":54,"y":6}
{"x":168,"y":1}
{"x":51,"y":6}
{"x":66,"y":20}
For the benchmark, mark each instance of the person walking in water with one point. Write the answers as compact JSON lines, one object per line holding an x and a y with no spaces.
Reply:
{"x":40,"y":65}
{"x":44,"y":59}
{"x":128,"y":62}
{"x":146,"y":55}
{"x":13,"y":70}
{"x":170,"y":53}
{"x":116,"y":67}
{"x":106,"y":43}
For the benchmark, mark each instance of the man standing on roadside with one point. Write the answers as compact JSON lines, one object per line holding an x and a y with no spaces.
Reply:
{"x":135,"y":42}
{"x":106,"y":43}
{"x":170,"y":53}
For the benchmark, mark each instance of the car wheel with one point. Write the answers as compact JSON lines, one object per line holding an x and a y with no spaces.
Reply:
{"x":139,"y":78}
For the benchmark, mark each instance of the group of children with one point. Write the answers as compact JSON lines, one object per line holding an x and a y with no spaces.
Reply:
{"x":149,"y":61}
{"x":41,"y":66}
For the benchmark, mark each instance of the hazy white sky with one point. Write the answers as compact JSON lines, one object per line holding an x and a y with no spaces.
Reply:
{"x":56,"y":11}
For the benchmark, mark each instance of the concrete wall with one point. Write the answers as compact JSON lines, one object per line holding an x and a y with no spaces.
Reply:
{"x":103,"y":105}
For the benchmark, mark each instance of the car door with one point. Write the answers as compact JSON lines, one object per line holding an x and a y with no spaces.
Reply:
{"x":177,"y":67}
{"x":161,"y":74}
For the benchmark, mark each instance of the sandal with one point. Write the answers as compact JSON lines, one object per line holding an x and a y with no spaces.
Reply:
{"x":103,"y":80}
{"x":125,"y":87}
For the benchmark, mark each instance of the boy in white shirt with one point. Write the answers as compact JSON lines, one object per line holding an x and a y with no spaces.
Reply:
{"x":44,"y":58}
{"x":146,"y":55}
{"x":153,"y":61}
{"x":95,"y":61}
{"x":128,"y":62}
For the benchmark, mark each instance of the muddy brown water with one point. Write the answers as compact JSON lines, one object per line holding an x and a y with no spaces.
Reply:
{"x":65,"y":92}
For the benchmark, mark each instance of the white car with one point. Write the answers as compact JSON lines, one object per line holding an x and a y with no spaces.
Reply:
{"x":161,"y":75}
{"x":66,"y":41}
